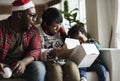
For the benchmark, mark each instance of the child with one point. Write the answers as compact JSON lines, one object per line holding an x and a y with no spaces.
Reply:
{"x":78,"y":32}
{"x":52,"y":39}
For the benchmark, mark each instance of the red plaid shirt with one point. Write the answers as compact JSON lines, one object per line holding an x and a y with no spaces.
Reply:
{"x":30,"y":41}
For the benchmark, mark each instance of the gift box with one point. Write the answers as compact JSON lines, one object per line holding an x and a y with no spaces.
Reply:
{"x":71,"y":43}
{"x":84,"y":54}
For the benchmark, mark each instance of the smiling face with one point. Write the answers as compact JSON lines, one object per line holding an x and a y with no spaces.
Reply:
{"x":54,"y":28}
{"x":32,"y":15}
{"x":28,"y":19}
{"x":52,"y":19}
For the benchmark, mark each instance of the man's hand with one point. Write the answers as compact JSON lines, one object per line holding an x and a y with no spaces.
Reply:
{"x":2,"y":65}
{"x":18,"y":68}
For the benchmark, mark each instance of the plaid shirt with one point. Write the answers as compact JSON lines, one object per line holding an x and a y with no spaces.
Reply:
{"x":30,"y":41}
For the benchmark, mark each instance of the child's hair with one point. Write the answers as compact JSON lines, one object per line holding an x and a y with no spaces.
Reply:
{"x":52,"y":14}
{"x":74,"y":30}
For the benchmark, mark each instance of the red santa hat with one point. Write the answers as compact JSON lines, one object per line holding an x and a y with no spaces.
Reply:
{"x":22,"y":5}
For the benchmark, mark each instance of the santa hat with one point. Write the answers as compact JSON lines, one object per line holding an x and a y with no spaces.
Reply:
{"x":22,"y":5}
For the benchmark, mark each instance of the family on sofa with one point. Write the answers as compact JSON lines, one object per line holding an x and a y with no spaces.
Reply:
{"x":39,"y":53}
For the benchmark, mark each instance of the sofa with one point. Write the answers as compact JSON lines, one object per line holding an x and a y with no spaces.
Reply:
{"x":111,"y":60}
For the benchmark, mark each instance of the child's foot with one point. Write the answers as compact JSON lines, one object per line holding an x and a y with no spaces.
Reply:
{"x":83,"y":79}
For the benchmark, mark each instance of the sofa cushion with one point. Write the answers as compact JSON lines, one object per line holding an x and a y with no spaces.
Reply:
{"x":92,"y":76}
{"x":16,"y":79}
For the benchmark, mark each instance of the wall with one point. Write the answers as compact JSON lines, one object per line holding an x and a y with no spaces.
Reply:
{"x":98,"y":20}
{"x":40,"y":7}
{"x":6,"y":10}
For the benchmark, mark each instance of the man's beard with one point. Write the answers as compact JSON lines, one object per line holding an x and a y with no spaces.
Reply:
{"x":25,"y":25}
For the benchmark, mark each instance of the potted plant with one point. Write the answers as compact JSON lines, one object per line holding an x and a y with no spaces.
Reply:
{"x":70,"y":15}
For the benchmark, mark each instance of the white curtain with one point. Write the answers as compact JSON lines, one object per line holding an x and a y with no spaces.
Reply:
{"x":118,"y":27}
{"x":115,"y":8}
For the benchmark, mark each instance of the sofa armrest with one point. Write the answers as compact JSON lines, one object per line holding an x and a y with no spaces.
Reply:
{"x":111,"y":59}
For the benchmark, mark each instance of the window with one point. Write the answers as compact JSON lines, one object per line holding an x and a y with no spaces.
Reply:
{"x":4,"y":16}
{"x":80,"y":4}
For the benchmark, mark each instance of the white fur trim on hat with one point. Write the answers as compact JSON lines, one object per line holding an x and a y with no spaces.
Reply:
{"x":23,"y":7}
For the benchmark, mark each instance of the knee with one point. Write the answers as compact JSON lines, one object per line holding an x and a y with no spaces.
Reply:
{"x":54,"y":67}
{"x":35,"y":72}
{"x":54,"y":70}
{"x":70,"y":64}
{"x":39,"y":67}
{"x":57,"y":68}
{"x":102,"y":68}
{"x":71,"y":72}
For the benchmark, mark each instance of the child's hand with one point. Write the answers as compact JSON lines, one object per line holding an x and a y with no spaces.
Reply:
{"x":56,"y":52}
{"x":64,"y":46}
{"x":61,"y":53}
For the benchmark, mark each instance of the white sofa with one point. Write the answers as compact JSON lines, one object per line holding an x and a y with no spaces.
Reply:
{"x":111,"y":59}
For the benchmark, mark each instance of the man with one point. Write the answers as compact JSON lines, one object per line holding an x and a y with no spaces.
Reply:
{"x":20,"y":43}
